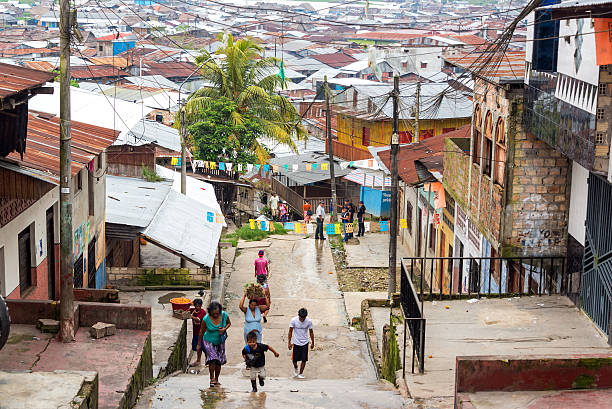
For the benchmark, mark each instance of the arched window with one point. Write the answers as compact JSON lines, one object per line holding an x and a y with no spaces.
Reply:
{"x":500,"y":132}
{"x":477,"y":116}
{"x":487,"y":152}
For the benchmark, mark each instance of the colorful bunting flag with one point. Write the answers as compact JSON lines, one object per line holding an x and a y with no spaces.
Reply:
{"x":286,"y":168}
{"x":252,"y":224}
{"x":249,"y":167}
{"x":275,"y":168}
{"x":330,"y":229}
{"x":266,"y":168}
{"x":298,"y":228}
{"x":213,"y":165}
{"x":349,"y":227}
{"x":308,"y":166}
{"x":289,"y":226}
{"x":218,"y":218}
{"x":221,"y":165}
{"x":295,"y":168}
{"x":325,"y":166}
{"x":314,"y":166}
{"x":384,"y":225}
{"x":174,"y":161}
{"x":240,"y":167}
{"x":338,"y":228}
{"x":257,"y":166}
{"x":366,"y":226}
{"x":403,"y":223}
{"x":310,"y":228}
{"x":210,"y":217}
{"x":264,"y":225}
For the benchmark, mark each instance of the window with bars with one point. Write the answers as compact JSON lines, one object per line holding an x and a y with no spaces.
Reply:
{"x":600,"y":138}
{"x":603,"y":89}
{"x":600,"y":113}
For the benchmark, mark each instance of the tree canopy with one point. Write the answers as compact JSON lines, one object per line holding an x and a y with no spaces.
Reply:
{"x":239,"y":73}
{"x":215,"y":138}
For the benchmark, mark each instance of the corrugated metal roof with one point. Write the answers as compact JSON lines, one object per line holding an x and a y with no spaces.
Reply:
{"x":577,"y":3}
{"x":148,"y":131}
{"x":96,"y":71}
{"x":509,"y":66}
{"x":14,"y":79}
{"x":42,"y":145}
{"x":180,"y":225}
{"x":39,"y":65}
{"x":133,"y":202}
{"x":118,"y":62}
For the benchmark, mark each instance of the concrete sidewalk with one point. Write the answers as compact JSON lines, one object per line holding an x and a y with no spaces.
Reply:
{"x":372,"y":252}
{"x":516,"y":326}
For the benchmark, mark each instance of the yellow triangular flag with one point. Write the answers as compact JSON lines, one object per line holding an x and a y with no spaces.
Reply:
{"x":325,"y":166}
{"x":252,"y":224}
{"x":338,"y":228}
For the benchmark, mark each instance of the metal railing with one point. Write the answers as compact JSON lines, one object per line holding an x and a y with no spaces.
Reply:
{"x":473,"y":277}
{"x":413,"y":321}
{"x":455,"y":277}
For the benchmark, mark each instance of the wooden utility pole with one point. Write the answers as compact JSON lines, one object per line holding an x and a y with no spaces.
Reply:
{"x":394,"y":190}
{"x":330,"y":146}
{"x":66,"y":265}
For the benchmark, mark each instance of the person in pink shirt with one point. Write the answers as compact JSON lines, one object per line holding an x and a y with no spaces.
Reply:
{"x":262,"y":266}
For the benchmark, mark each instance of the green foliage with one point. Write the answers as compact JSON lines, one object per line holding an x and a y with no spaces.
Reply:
{"x":391,"y":362}
{"x":150,"y":175}
{"x":250,"y":80}
{"x":216,"y":137}
{"x":245,"y":233}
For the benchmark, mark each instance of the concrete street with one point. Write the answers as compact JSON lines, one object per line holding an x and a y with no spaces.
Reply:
{"x":340,"y":372}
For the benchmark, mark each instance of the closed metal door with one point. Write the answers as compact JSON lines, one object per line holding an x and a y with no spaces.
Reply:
{"x":596,"y":288}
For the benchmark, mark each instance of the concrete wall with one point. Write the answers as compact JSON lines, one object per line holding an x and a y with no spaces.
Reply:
{"x":33,"y":217}
{"x":408,"y":238}
{"x":578,"y":202}
{"x":133,"y":276}
{"x":587,"y":71}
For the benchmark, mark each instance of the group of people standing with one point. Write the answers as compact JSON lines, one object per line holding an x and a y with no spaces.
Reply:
{"x":210,"y":333}
{"x":347,"y":216}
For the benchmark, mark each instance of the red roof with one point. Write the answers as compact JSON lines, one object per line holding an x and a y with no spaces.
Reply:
{"x":14,"y":79}
{"x":39,"y":65}
{"x":96,"y":71}
{"x":335,"y":60}
{"x":169,"y":69}
{"x":115,"y":36}
{"x":388,"y":36}
{"x":510,"y":65}
{"x":423,"y":151}
{"x":42,"y":144}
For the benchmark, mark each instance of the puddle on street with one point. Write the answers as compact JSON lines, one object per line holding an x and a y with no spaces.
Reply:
{"x":165,"y":299}
{"x":210,"y":397}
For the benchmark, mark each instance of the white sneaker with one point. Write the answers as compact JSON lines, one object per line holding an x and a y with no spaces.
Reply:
{"x":300,"y":376}
{"x":295,"y":372}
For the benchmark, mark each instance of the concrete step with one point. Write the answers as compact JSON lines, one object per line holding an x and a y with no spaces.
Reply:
{"x":189,"y":391}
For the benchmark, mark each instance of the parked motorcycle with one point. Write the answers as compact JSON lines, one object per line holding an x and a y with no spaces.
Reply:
{"x":5,"y":322}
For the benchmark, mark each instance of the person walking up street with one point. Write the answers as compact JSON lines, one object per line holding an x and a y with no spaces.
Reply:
{"x":351,"y":213}
{"x":320,"y":213}
{"x":307,"y":211}
{"x":300,"y":328}
{"x":344,"y":216}
{"x":274,"y":206}
{"x":361,"y":219}
{"x":197,"y":316}
{"x":262,"y":266}
{"x":266,"y":300}
{"x":255,"y":359}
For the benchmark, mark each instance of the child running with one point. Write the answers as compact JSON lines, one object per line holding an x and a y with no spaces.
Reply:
{"x":255,"y":358}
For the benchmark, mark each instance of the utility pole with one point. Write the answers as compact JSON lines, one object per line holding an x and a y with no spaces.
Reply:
{"x":66,"y":265}
{"x":330,"y":146}
{"x":183,"y":165}
{"x":417,"y":111}
{"x":394,"y":190}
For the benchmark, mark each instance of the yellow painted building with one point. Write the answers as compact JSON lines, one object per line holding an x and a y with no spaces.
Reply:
{"x":361,"y":133}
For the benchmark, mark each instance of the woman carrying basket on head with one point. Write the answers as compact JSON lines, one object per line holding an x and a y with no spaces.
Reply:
{"x":252,"y":316}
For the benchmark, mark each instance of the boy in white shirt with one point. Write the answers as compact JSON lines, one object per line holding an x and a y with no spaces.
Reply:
{"x":299,"y":330}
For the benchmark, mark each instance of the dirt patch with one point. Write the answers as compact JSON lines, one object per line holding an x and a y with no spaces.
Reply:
{"x":357,"y":279}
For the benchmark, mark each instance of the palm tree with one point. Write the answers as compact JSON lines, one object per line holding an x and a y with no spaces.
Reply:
{"x":241,"y":74}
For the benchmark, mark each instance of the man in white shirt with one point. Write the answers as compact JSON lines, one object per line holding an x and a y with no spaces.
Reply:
{"x":320,"y":214}
{"x":274,"y":206}
{"x":299,"y":330}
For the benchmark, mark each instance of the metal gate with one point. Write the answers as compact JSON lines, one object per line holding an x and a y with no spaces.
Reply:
{"x":596,"y":288}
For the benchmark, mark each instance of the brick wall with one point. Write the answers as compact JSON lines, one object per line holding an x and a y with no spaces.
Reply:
{"x":131,"y":276}
{"x":540,"y":197}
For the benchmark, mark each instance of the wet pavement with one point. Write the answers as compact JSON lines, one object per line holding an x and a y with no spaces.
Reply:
{"x":372,"y":252}
{"x":339,"y":372}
